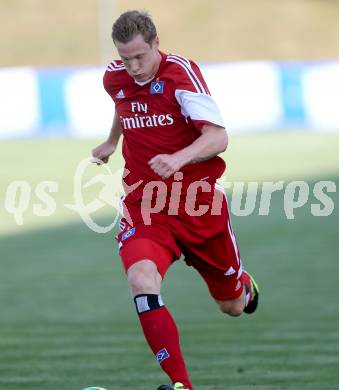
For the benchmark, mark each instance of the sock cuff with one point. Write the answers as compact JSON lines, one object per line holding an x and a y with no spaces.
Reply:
{"x":147,"y":302}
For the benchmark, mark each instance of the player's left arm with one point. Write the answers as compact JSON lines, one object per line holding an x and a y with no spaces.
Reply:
{"x":213,"y":140}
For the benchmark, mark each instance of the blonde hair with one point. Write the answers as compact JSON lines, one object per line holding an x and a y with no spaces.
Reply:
{"x":132,"y":23}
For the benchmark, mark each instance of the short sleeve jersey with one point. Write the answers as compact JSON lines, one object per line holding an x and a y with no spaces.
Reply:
{"x":163,"y":116}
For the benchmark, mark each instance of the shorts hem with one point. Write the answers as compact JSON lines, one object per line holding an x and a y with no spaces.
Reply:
{"x":229,"y":297}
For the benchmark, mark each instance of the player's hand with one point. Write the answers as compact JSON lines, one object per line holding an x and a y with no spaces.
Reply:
{"x":103,"y":153}
{"x":165,"y":165}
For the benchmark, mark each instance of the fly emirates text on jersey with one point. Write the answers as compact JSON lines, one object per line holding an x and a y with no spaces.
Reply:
{"x":141,"y":119}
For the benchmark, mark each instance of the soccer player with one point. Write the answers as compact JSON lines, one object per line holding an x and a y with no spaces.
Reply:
{"x":172,"y":133}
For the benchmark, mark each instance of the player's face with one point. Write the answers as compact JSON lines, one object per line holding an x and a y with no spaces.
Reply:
{"x":141,"y":59}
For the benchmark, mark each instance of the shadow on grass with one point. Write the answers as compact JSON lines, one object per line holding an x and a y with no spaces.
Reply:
{"x":66,"y":310}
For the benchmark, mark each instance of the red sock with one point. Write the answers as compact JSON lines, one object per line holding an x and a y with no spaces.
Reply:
{"x":162,"y":336}
{"x":248,"y":287}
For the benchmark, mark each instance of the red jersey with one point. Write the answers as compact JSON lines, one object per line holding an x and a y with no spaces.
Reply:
{"x":163,"y":116}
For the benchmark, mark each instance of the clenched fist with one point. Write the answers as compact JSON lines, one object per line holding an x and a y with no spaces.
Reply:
{"x":103,"y":152}
{"x":165,"y":165}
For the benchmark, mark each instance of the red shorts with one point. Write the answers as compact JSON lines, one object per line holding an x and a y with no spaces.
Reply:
{"x":207,"y":242}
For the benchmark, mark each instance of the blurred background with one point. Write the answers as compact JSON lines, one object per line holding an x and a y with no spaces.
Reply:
{"x":66,"y":315}
{"x":40,"y":33}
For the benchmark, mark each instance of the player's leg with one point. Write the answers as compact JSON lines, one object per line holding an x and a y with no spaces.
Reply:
{"x":235,"y":293}
{"x":144,"y":278}
{"x":233,"y":307}
{"x":242,"y":293}
{"x":146,"y":263}
{"x":218,"y":261}
{"x":248,"y":300}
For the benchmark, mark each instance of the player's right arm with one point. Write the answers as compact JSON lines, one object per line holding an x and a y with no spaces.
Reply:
{"x":107,"y":148}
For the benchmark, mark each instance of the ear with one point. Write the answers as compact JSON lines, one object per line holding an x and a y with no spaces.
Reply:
{"x":156,"y":42}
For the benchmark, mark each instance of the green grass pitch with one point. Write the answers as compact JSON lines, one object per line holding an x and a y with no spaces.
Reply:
{"x":66,"y":315}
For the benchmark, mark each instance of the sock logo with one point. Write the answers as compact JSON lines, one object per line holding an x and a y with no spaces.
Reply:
{"x":162,"y":355}
{"x":129,"y":233}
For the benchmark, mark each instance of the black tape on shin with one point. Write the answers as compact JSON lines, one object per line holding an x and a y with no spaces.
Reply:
{"x":147,"y":302}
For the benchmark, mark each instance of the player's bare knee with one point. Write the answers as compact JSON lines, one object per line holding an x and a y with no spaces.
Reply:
{"x":233,"y":308}
{"x":236,"y":310}
{"x":140,"y":282}
{"x":143,"y":278}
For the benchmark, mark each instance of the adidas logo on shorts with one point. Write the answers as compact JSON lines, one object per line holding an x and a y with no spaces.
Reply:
{"x":230,"y":271}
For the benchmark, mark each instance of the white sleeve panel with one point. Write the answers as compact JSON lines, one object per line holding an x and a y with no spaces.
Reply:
{"x":199,"y":106}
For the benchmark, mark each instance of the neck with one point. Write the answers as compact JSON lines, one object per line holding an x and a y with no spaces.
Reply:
{"x":157,"y":63}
